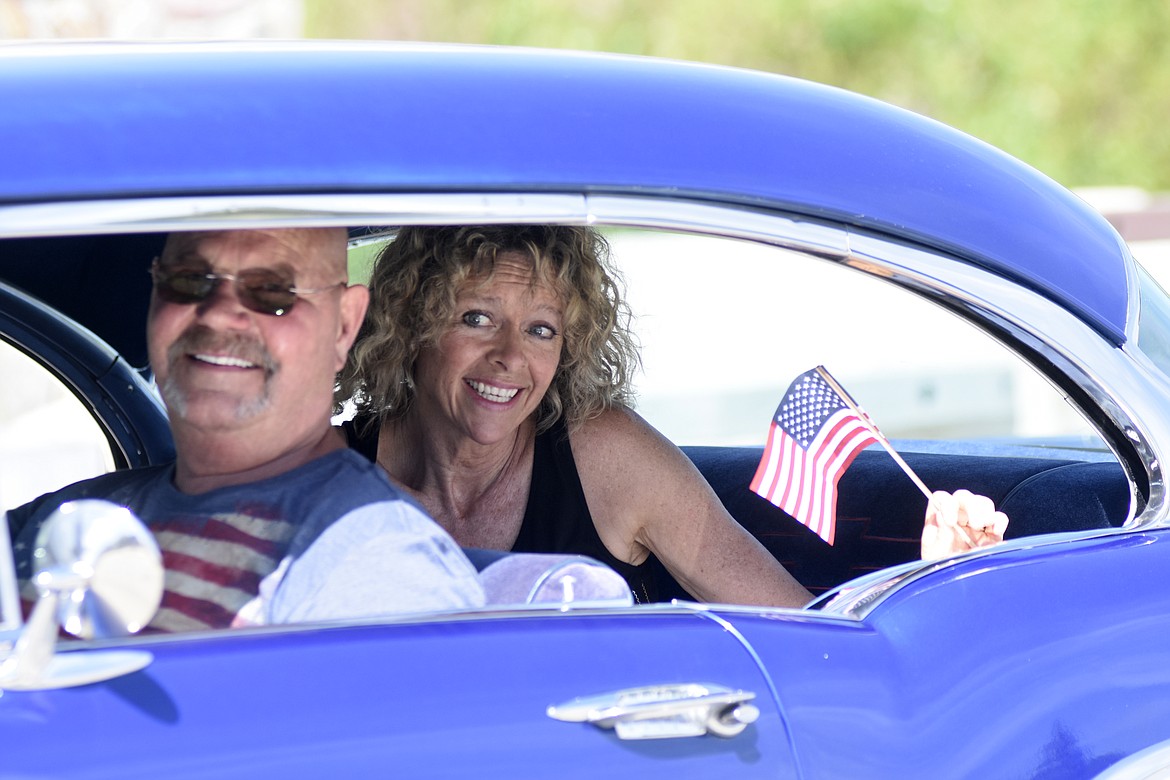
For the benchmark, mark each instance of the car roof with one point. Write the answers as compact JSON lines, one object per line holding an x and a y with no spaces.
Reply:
{"x":99,"y":120}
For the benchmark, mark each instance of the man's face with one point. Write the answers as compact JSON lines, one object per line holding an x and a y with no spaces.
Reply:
{"x":223,"y":367}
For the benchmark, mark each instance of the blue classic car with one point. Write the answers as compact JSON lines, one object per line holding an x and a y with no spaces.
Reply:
{"x":996,"y":325}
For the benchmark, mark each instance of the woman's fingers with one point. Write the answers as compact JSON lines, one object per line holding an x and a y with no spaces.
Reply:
{"x":973,"y":509}
{"x":979,"y":512}
{"x":939,"y":538}
{"x":1000,"y":525}
{"x":960,"y":521}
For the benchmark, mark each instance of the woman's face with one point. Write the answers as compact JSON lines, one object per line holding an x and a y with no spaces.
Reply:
{"x":494,"y":362}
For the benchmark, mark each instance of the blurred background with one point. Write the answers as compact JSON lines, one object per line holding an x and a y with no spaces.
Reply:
{"x":1077,"y":88}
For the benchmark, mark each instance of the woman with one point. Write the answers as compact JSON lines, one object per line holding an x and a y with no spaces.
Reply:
{"x":492,"y":382}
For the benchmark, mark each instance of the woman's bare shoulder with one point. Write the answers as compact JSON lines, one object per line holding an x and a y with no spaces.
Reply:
{"x":619,"y":452}
{"x":618,"y":432}
{"x":633,"y":478}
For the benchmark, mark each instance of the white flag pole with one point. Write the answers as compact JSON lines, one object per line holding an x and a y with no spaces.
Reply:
{"x":882,"y":440}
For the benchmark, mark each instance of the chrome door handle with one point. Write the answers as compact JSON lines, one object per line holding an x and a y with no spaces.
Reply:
{"x":664,"y":711}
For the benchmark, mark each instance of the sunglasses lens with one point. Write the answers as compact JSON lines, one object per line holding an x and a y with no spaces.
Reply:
{"x":183,"y":286}
{"x":261,"y":290}
{"x":266,"y":291}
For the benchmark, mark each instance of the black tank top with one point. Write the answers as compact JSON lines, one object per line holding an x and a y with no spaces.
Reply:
{"x":556,"y":519}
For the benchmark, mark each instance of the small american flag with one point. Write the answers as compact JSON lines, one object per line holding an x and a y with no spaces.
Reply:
{"x":814,"y":436}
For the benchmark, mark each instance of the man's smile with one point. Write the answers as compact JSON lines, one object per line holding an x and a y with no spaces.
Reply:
{"x":224,"y":360}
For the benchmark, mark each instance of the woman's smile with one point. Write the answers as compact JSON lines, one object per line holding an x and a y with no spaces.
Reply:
{"x":492,"y":393}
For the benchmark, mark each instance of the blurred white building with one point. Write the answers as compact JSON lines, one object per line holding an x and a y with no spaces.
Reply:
{"x":138,"y":19}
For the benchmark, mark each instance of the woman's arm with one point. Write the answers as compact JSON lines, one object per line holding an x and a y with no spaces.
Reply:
{"x":646,"y":496}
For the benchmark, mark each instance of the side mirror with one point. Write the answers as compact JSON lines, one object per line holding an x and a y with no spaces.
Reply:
{"x":98,"y":574}
{"x":103,"y":566}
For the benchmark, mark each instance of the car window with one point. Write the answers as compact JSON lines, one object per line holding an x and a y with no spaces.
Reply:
{"x":1153,"y":334}
{"x":726,"y":325}
{"x":48,"y":438}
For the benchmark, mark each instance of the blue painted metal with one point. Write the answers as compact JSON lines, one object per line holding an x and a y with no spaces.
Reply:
{"x":449,"y":699}
{"x":930,"y":686}
{"x":96,"y":122}
{"x":1046,"y":662}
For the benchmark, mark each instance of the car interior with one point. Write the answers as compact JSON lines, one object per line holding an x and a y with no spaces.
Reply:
{"x":724,"y":326}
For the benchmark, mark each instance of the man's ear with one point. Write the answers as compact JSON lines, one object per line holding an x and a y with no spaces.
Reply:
{"x":354,"y":300}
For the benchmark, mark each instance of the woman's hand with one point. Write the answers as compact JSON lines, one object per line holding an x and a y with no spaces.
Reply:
{"x":958,"y":522}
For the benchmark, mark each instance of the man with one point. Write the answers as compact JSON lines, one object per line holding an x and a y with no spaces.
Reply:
{"x":266,"y":516}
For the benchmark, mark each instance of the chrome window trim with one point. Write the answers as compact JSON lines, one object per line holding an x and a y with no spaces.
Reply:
{"x":1117,"y":381}
{"x":1097,"y":368}
{"x":147,"y":215}
{"x":822,"y":239}
{"x":1134,"y":290}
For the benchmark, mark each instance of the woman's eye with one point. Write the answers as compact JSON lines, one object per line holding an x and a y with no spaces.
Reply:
{"x":543,"y":331}
{"x":476,"y":319}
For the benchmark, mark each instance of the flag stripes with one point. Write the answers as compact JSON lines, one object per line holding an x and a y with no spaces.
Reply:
{"x":214,"y":566}
{"x":813,"y":438}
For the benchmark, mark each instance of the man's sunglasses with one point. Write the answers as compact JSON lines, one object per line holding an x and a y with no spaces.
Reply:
{"x":262,"y":290}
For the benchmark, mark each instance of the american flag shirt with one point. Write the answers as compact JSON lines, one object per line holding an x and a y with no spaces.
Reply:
{"x":218,"y":547}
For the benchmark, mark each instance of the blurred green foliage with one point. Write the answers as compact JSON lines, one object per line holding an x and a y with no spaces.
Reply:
{"x":1077,"y":88}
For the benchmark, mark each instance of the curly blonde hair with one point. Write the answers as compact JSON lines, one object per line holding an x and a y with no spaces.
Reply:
{"x":413,"y":291}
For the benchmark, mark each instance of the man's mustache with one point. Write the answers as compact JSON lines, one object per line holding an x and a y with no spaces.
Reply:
{"x":241,"y":346}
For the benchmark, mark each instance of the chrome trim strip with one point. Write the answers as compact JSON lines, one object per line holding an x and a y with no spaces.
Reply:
{"x":233,"y":212}
{"x":1148,"y":764}
{"x":1133,"y":285}
{"x":767,"y":227}
{"x":681,"y":608}
{"x":854,"y":600}
{"x":228,"y":212}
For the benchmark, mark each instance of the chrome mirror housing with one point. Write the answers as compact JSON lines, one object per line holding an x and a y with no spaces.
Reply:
{"x":103,"y":566}
{"x":98,"y":573}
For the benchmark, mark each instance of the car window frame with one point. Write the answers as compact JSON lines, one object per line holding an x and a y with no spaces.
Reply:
{"x":968,"y":290}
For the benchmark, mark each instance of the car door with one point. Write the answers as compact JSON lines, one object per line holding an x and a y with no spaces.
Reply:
{"x":445,"y":696}
{"x":460,"y":696}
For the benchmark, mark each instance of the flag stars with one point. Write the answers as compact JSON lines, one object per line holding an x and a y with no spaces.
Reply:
{"x":810,"y":444}
{"x":806,"y":407}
